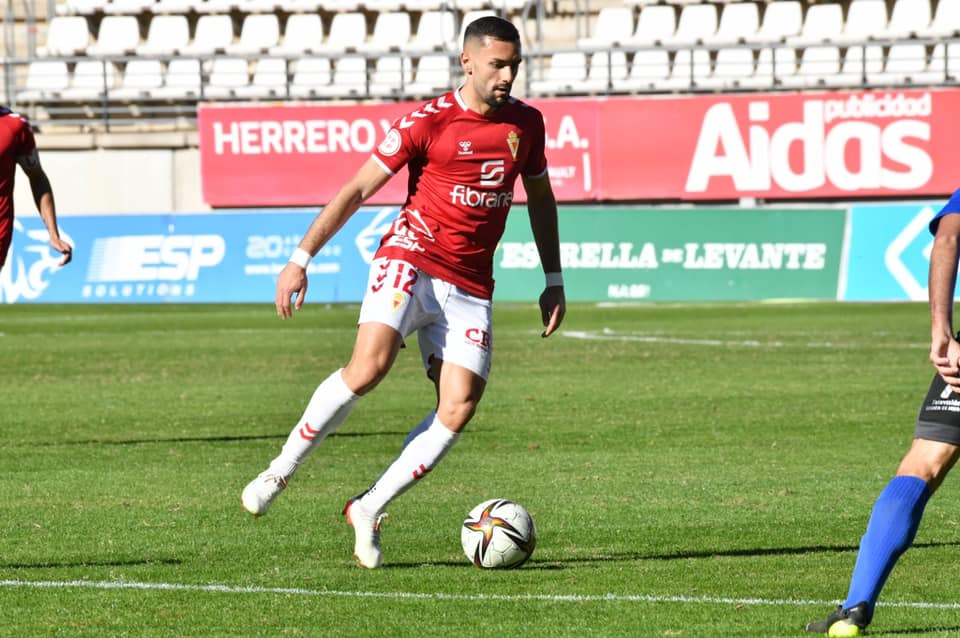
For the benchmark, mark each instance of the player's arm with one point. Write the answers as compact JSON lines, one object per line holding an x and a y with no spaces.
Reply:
{"x":542,"y":206}
{"x":944,"y":349}
{"x":43,"y":198}
{"x":293,"y":278}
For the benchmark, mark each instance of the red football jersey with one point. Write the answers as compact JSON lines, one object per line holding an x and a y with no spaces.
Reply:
{"x":16,"y":140}
{"x":463,"y":167}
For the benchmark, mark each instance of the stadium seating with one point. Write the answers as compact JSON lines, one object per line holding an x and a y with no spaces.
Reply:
{"x":906,"y":63}
{"x":66,"y":35}
{"x":656,"y":23}
{"x":690,"y":68}
{"x":349,"y":78}
{"x":310,"y":73}
{"x":823,"y":23}
{"x":781,"y":19}
{"x":739,"y":23}
{"x":259,"y":33}
{"x":432,"y":75}
{"x":45,"y":80}
{"x":391,"y":32}
{"x":140,"y":79}
{"x":436,"y":31}
{"x":118,"y":35}
{"x":946,"y":21}
{"x":213,"y":35}
{"x":866,"y":20}
{"x":861,"y":65}
{"x":348,"y":31}
{"x":909,"y":18}
{"x":567,"y":71}
{"x":226,"y":76}
{"x":613,"y":27}
{"x":773,"y":64}
{"x":605,"y":69}
{"x":819,"y":65}
{"x":648,"y":70}
{"x":731,"y":65}
{"x":91,"y":79}
{"x":697,"y":23}
{"x":269,"y":80}
{"x":391,"y":76}
{"x":303,"y":33}
{"x":167,"y":35}
{"x":182,"y":81}
{"x":128,"y":7}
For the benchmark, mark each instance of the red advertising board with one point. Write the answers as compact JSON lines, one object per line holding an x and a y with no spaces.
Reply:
{"x":724,"y":147}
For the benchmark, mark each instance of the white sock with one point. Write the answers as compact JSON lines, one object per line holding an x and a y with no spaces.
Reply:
{"x":328,"y":409}
{"x":421,"y":427}
{"x":415,"y":461}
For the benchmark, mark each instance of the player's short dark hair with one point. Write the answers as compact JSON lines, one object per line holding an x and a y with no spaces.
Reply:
{"x":493,"y":26}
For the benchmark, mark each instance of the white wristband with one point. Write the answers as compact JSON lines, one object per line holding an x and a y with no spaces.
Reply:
{"x":554,"y":279}
{"x":300,"y":257}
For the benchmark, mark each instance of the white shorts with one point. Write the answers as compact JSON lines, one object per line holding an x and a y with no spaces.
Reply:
{"x":451,"y":324}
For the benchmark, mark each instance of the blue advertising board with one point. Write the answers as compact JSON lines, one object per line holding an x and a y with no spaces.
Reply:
{"x":231,"y":256}
{"x":889,"y":252}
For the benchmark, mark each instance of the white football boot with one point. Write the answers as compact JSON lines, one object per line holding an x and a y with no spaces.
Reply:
{"x":366,"y":527}
{"x":260,"y":492}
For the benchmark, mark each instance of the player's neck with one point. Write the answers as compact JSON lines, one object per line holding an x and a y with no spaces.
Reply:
{"x":473,"y":102}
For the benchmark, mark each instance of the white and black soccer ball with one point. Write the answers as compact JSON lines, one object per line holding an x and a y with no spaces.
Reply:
{"x":498,"y":534}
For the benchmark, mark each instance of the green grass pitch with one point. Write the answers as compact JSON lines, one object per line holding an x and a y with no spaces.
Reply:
{"x":693,"y":470}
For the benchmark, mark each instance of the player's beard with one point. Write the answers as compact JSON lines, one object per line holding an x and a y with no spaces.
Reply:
{"x":496,"y":100}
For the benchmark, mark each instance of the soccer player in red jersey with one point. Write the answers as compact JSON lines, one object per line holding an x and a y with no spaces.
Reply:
{"x":17,"y":146}
{"x":433,"y":272}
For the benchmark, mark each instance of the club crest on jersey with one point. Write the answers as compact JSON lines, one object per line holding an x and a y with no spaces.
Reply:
{"x":465,"y":147}
{"x":390,"y":144}
{"x":513,"y":142}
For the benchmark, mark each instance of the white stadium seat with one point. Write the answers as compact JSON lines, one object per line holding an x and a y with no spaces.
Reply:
{"x":823,"y":23}
{"x":213,"y":35}
{"x":436,"y":31}
{"x":731,"y":65}
{"x":859,"y":61}
{"x":166,"y":35}
{"x":118,"y":35}
{"x":946,"y":21}
{"x":909,"y":18}
{"x":606,"y":68}
{"x":648,"y":70}
{"x":432,"y":75}
{"x":781,"y":19}
{"x":66,"y":35}
{"x":773,"y":64}
{"x":739,"y":22}
{"x":866,"y":19}
{"x":906,"y":63}
{"x":391,"y":32}
{"x":258,"y":34}
{"x":310,"y":73}
{"x":349,"y":78}
{"x":566,"y":73}
{"x":303,"y":33}
{"x":226,"y":76}
{"x":140,"y":79}
{"x":347,"y":32}
{"x":91,"y":79}
{"x":613,"y":27}
{"x":45,"y":80}
{"x":656,"y":23}
{"x":690,"y":67}
{"x":128,"y":7}
{"x":391,"y":76}
{"x":269,"y":80}
{"x":182,"y":80}
{"x":819,"y":64}
{"x":697,"y":23}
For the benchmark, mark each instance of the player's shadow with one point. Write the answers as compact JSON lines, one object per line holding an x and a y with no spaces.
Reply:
{"x":209,"y":439}
{"x":92,"y":563}
{"x":554,"y":564}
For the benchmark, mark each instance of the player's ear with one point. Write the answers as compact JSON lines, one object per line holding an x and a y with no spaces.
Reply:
{"x":466,"y":63}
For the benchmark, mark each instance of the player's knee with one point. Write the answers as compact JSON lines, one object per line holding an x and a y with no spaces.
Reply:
{"x":456,"y":414}
{"x":362,"y":378}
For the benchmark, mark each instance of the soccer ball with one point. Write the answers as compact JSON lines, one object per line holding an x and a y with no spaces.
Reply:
{"x":498,"y":534}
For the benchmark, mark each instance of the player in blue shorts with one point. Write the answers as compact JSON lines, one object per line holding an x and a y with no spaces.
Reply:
{"x":936,"y":445}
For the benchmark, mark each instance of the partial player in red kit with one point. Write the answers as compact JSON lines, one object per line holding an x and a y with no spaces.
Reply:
{"x":17,"y":146}
{"x":433,"y":272}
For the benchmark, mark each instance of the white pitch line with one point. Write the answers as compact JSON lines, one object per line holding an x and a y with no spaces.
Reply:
{"x":569,"y":598}
{"x":608,"y":335}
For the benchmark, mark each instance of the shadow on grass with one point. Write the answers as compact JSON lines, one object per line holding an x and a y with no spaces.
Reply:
{"x":206,"y":439}
{"x":950,"y":631}
{"x":564,"y":563}
{"x":92,"y":563}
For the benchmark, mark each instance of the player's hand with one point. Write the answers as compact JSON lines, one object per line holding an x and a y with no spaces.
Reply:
{"x":945,"y":356}
{"x":64,"y":249}
{"x":292,"y":280}
{"x":553,"y":306}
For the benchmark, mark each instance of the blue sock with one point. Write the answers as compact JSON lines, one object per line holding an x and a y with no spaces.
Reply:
{"x":893,"y":524}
